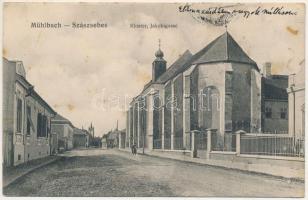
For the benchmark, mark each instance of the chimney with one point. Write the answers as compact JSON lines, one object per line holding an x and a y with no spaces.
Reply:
{"x":267,"y":69}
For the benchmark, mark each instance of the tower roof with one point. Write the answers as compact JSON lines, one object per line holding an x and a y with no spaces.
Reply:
{"x":223,"y":49}
{"x":159,"y":53}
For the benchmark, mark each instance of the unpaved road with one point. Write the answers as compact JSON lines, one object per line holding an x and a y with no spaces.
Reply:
{"x":112,"y":173}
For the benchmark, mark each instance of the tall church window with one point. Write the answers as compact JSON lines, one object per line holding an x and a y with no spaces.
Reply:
{"x":211,"y":109}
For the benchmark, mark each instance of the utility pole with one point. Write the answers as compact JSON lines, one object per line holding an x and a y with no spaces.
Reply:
{"x":294,"y":103}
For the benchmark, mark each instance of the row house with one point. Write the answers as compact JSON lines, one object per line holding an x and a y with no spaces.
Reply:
{"x":219,"y":89}
{"x":81,"y":138}
{"x":26,"y":117}
{"x":64,"y":129}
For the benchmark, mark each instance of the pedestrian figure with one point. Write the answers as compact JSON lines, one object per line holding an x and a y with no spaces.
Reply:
{"x":134,"y":149}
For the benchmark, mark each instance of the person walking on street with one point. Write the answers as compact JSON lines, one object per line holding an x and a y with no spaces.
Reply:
{"x":132,"y":148}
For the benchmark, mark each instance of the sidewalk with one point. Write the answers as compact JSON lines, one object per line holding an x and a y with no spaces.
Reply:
{"x":11,"y":174}
{"x":292,"y":173}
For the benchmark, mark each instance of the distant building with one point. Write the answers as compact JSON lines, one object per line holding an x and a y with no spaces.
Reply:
{"x":274,"y":106}
{"x":64,"y":129}
{"x":111,"y":139}
{"x":26,"y":117}
{"x":80,"y":138}
{"x":104,"y":142}
{"x":296,"y":95}
{"x":122,"y":138}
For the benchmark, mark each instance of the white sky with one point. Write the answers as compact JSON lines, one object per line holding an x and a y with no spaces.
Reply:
{"x":77,"y":70}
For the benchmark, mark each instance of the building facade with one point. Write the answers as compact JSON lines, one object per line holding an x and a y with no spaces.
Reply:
{"x":26,"y":117}
{"x":111,"y":139}
{"x":64,"y":130}
{"x":80,"y":138}
{"x":274,"y":102}
{"x":296,"y":95}
{"x":217,"y":88}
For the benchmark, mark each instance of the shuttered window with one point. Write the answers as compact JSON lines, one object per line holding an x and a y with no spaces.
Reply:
{"x":19,"y":115}
{"x":39,"y":125}
{"x":28,"y":120}
{"x":42,"y":125}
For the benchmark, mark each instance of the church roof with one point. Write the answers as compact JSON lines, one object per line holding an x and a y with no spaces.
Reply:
{"x":177,"y":67}
{"x":30,"y":89}
{"x":223,"y":49}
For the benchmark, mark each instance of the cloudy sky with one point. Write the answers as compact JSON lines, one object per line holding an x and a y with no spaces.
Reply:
{"x":84,"y":73}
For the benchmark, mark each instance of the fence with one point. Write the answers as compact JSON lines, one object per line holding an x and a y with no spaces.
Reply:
{"x":201,"y":141}
{"x":178,"y":143}
{"x":227,"y":142}
{"x":272,"y":144}
{"x":157,"y":144}
{"x":248,"y":143}
{"x":167,"y":143}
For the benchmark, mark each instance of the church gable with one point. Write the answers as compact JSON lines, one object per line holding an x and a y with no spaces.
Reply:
{"x":223,"y":49}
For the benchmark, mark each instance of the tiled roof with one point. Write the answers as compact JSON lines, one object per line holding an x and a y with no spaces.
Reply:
{"x":58,"y":119}
{"x":275,"y":87}
{"x":28,"y":86}
{"x":78,"y":131}
{"x":223,"y":49}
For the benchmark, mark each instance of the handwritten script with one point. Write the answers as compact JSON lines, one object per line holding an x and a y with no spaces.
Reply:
{"x":222,"y":15}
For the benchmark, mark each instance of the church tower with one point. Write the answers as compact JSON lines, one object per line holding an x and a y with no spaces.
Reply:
{"x":91,"y":130}
{"x":158,"y":65}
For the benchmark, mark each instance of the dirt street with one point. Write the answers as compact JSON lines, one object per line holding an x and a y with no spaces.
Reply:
{"x":112,"y":173}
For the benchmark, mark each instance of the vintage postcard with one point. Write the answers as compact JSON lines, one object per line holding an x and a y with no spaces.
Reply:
{"x":135,"y":99}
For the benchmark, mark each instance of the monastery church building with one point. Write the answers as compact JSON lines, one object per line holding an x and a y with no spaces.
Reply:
{"x":218,"y":88}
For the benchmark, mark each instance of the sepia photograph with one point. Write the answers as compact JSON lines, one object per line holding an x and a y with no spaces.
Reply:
{"x":136,"y":99}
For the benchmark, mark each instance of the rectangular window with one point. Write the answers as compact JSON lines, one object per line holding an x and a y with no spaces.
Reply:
{"x":28,"y":120}
{"x":39,"y":123}
{"x":283,"y":113}
{"x":48,"y":126}
{"x":44,"y":126}
{"x":19,"y":115}
{"x":268,"y":112}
